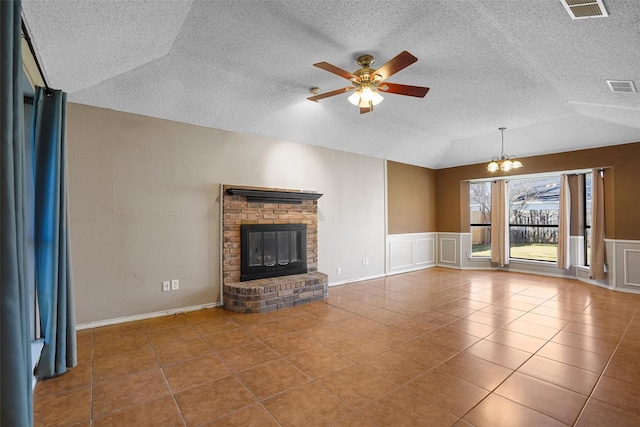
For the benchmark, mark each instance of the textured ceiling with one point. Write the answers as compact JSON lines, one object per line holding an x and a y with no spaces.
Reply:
{"x":247,"y":66}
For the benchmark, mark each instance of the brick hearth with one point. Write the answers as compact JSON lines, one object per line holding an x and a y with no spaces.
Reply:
{"x":295,"y":289}
{"x":263,"y":295}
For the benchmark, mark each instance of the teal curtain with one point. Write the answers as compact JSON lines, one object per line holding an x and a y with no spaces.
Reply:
{"x":52,"y":252}
{"x":16,"y":404}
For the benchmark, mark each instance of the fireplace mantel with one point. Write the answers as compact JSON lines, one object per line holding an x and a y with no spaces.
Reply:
{"x":273,"y":196}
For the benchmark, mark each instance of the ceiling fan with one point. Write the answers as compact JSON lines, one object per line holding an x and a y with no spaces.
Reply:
{"x":368,"y":82}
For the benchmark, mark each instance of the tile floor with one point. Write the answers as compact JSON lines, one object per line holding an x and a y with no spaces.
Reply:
{"x":436,"y":347}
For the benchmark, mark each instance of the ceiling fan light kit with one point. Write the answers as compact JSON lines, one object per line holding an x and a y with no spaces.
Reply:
{"x":368,"y":82}
{"x":505,"y":162}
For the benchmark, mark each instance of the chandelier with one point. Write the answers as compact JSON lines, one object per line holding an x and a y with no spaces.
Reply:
{"x":505,"y":162}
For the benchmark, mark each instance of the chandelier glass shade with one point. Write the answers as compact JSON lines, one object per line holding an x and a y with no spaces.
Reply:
{"x":365,"y":96}
{"x":505,"y":162}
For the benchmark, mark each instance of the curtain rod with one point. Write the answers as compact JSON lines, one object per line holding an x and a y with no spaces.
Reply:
{"x":27,"y":38}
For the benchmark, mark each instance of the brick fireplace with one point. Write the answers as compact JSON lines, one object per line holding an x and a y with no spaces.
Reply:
{"x":255,"y":205}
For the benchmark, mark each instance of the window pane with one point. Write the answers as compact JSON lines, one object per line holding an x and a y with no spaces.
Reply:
{"x":480,"y":218}
{"x":537,"y":243}
{"x":587,"y":219}
{"x":480,"y":203}
{"x":587,"y":190}
{"x":587,"y":255}
{"x":534,"y":204}
{"x":481,"y":240}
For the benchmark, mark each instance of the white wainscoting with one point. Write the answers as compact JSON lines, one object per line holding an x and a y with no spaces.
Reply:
{"x":623,"y":260}
{"x":411,"y":251}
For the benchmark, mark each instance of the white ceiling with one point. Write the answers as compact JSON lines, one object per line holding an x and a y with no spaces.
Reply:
{"x":247,"y":66}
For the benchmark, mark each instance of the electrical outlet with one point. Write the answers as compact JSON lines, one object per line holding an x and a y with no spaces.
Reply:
{"x":367,"y":261}
{"x":339,"y":270}
{"x":175,"y":284}
{"x":364,"y":261}
{"x":166,"y":286}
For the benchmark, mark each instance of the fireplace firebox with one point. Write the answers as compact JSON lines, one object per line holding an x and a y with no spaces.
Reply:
{"x":272,"y":250}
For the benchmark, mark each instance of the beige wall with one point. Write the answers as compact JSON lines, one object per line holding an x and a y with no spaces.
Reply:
{"x":411,"y":194}
{"x":145,"y":207}
{"x":622,"y":178}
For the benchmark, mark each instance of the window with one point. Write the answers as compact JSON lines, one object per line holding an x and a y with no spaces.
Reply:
{"x":533,"y":220}
{"x":587,"y":218}
{"x":480,"y":218}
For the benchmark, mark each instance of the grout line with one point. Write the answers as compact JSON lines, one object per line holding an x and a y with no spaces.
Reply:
{"x":595,"y":386}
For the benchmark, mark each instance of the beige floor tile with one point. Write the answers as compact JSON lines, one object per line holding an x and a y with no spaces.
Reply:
{"x":272,"y":378}
{"x":80,"y":376}
{"x":593,"y":362}
{"x":562,"y":404}
{"x":402,"y":354}
{"x":531,"y":329}
{"x":394,"y":367}
{"x":176,"y":352}
{"x":167,"y":336}
{"x":401,"y":408}
{"x":308,"y":405}
{"x":126,"y":391}
{"x":65,"y":408}
{"x":356,"y":385}
{"x":226,"y":340}
{"x":247,"y":356}
{"x":477,"y":371}
{"x":561,"y":374}
{"x":193,"y":372}
{"x":621,"y":394}
{"x":357,"y":348}
{"x":215,"y":326}
{"x":125,"y":344}
{"x":500,"y":354}
{"x":107,"y":367}
{"x":254,"y":416}
{"x":586,"y":343}
{"x":453,"y":394}
{"x":291,"y":343}
{"x":598,"y":414}
{"x":469,"y":327}
{"x":497,"y":411}
{"x":161,"y":412}
{"x":319,"y":362}
{"x":517,"y":340}
{"x":213,"y":400}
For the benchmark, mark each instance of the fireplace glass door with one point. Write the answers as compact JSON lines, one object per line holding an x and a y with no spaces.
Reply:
{"x":270,"y":250}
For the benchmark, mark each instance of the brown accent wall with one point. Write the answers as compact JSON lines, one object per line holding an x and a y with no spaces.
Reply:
{"x":411,"y":192}
{"x":622,"y":178}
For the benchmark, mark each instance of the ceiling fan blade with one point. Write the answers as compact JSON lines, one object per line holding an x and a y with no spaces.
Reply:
{"x":364,"y":110}
{"x":335,"y":70}
{"x":332,"y":93}
{"x":399,"y":62}
{"x":417,"y":91}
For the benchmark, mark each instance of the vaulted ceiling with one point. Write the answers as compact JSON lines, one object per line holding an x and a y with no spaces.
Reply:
{"x":247,"y":66}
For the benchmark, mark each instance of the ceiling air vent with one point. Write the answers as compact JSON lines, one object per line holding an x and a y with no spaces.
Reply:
{"x":621,"y":86}
{"x":583,"y":9}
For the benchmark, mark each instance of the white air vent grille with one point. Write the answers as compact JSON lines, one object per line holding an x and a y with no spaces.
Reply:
{"x":583,"y":9}
{"x":621,"y":86}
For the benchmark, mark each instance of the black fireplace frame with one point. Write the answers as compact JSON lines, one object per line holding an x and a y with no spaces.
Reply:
{"x":248,"y":272}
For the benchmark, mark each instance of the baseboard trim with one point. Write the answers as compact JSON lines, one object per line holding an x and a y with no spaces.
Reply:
{"x":362,"y":279}
{"x":144,"y":316}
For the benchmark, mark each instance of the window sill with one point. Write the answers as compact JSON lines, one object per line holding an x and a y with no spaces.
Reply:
{"x":36,"y":349}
